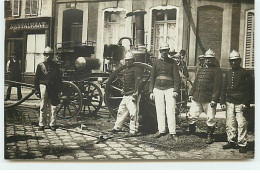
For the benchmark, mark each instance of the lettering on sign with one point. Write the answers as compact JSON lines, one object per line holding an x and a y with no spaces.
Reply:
{"x":29,"y":25}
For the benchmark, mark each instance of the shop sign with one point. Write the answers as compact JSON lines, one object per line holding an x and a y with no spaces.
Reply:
{"x":29,"y":25}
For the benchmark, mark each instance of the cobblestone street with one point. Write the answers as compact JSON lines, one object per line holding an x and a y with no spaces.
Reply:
{"x":23,"y":141}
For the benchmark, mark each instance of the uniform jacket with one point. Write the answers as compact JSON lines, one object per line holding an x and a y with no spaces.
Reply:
{"x":237,"y":87}
{"x":15,"y":70}
{"x":165,"y":67}
{"x":207,"y":85}
{"x":132,"y":80}
{"x":49,"y":74}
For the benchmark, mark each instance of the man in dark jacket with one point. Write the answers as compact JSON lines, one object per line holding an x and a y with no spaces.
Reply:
{"x":47,"y":84}
{"x":14,"y":69}
{"x":164,"y":87}
{"x":205,"y":94}
{"x":235,"y":98}
{"x":130,"y":102}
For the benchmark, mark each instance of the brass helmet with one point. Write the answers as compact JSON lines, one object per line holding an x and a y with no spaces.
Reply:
{"x":164,"y":46}
{"x":234,"y":55}
{"x":48,"y":50}
{"x":209,"y":54}
{"x":129,"y":55}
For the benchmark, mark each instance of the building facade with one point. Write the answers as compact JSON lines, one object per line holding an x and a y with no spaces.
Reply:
{"x":28,"y":28}
{"x":192,"y":25}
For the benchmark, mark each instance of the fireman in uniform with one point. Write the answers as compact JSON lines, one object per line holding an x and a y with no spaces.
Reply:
{"x":164,"y":88}
{"x":131,"y":97}
{"x":14,"y":69}
{"x":205,"y":94}
{"x":235,"y":98}
{"x":47,"y":84}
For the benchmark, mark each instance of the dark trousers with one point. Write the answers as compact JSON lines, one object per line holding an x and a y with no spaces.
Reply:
{"x":8,"y":93}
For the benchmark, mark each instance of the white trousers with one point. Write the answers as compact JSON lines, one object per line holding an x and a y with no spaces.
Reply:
{"x":165,"y":105}
{"x":128,"y":107}
{"x":236,"y":124}
{"x":197,"y":108}
{"x":46,"y":108}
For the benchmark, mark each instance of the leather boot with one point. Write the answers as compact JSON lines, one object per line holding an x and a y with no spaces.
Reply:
{"x":192,"y":128}
{"x":210,"y":135}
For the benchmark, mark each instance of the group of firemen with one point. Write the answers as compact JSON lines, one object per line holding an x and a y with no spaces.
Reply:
{"x":209,"y":88}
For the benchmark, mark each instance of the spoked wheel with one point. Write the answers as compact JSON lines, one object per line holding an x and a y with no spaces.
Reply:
{"x":92,"y":98}
{"x":113,"y":94}
{"x":70,"y":101}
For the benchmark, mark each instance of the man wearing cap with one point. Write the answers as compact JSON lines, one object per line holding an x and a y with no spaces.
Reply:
{"x":205,"y":94}
{"x":47,"y":84}
{"x":200,"y":63}
{"x":14,"y":69}
{"x":164,"y":87}
{"x":235,"y":98}
{"x":131,"y":97}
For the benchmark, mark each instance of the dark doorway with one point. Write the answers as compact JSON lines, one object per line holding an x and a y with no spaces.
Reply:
{"x":72,"y":27}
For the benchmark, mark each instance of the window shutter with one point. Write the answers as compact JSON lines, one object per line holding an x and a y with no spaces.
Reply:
{"x":16,"y":8}
{"x":27,"y":7}
{"x":249,"y":49}
{"x":152,"y":31}
{"x":34,"y":6}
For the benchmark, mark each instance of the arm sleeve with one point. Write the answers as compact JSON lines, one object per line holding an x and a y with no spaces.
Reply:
{"x":138,"y":79}
{"x":194,"y":83}
{"x":176,"y":77}
{"x":223,"y":94}
{"x":152,"y":79}
{"x":250,"y":89}
{"x":37,"y":78}
{"x":217,"y":85}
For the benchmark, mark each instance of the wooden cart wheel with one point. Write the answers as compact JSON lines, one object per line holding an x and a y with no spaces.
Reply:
{"x":114,"y":88}
{"x":92,"y":98}
{"x":70,"y":101}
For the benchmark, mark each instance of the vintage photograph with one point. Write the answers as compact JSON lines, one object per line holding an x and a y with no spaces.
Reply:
{"x":129,"y":80}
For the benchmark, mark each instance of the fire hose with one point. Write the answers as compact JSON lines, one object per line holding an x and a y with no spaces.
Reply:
{"x":24,"y":98}
{"x":102,"y":138}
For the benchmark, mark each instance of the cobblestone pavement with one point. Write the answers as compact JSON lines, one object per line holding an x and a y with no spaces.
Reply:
{"x":23,"y":141}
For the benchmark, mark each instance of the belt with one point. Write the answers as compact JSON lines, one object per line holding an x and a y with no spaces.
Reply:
{"x":164,"y":78}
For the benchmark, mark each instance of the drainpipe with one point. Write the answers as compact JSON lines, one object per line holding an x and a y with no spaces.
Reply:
{"x":52,"y":29}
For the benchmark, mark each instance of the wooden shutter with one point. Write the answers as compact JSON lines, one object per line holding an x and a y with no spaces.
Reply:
{"x":16,"y":8}
{"x":249,"y":45}
{"x":152,"y":31}
{"x":34,"y":7}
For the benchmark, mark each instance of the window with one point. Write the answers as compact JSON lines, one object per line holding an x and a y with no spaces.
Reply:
{"x":249,"y":40}
{"x":16,"y":7}
{"x":34,"y":53}
{"x":114,"y":27}
{"x":164,"y":29}
{"x":31,"y":7}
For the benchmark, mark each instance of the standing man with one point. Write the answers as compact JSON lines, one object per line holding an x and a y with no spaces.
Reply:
{"x":205,"y":94}
{"x":235,"y":98}
{"x":131,"y":97}
{"x":164,"y":87}
{"x":14,"y":69}
{"x":47,"y":84}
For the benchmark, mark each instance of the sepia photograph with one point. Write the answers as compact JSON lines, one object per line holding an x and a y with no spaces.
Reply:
{"x":129,"y":80}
